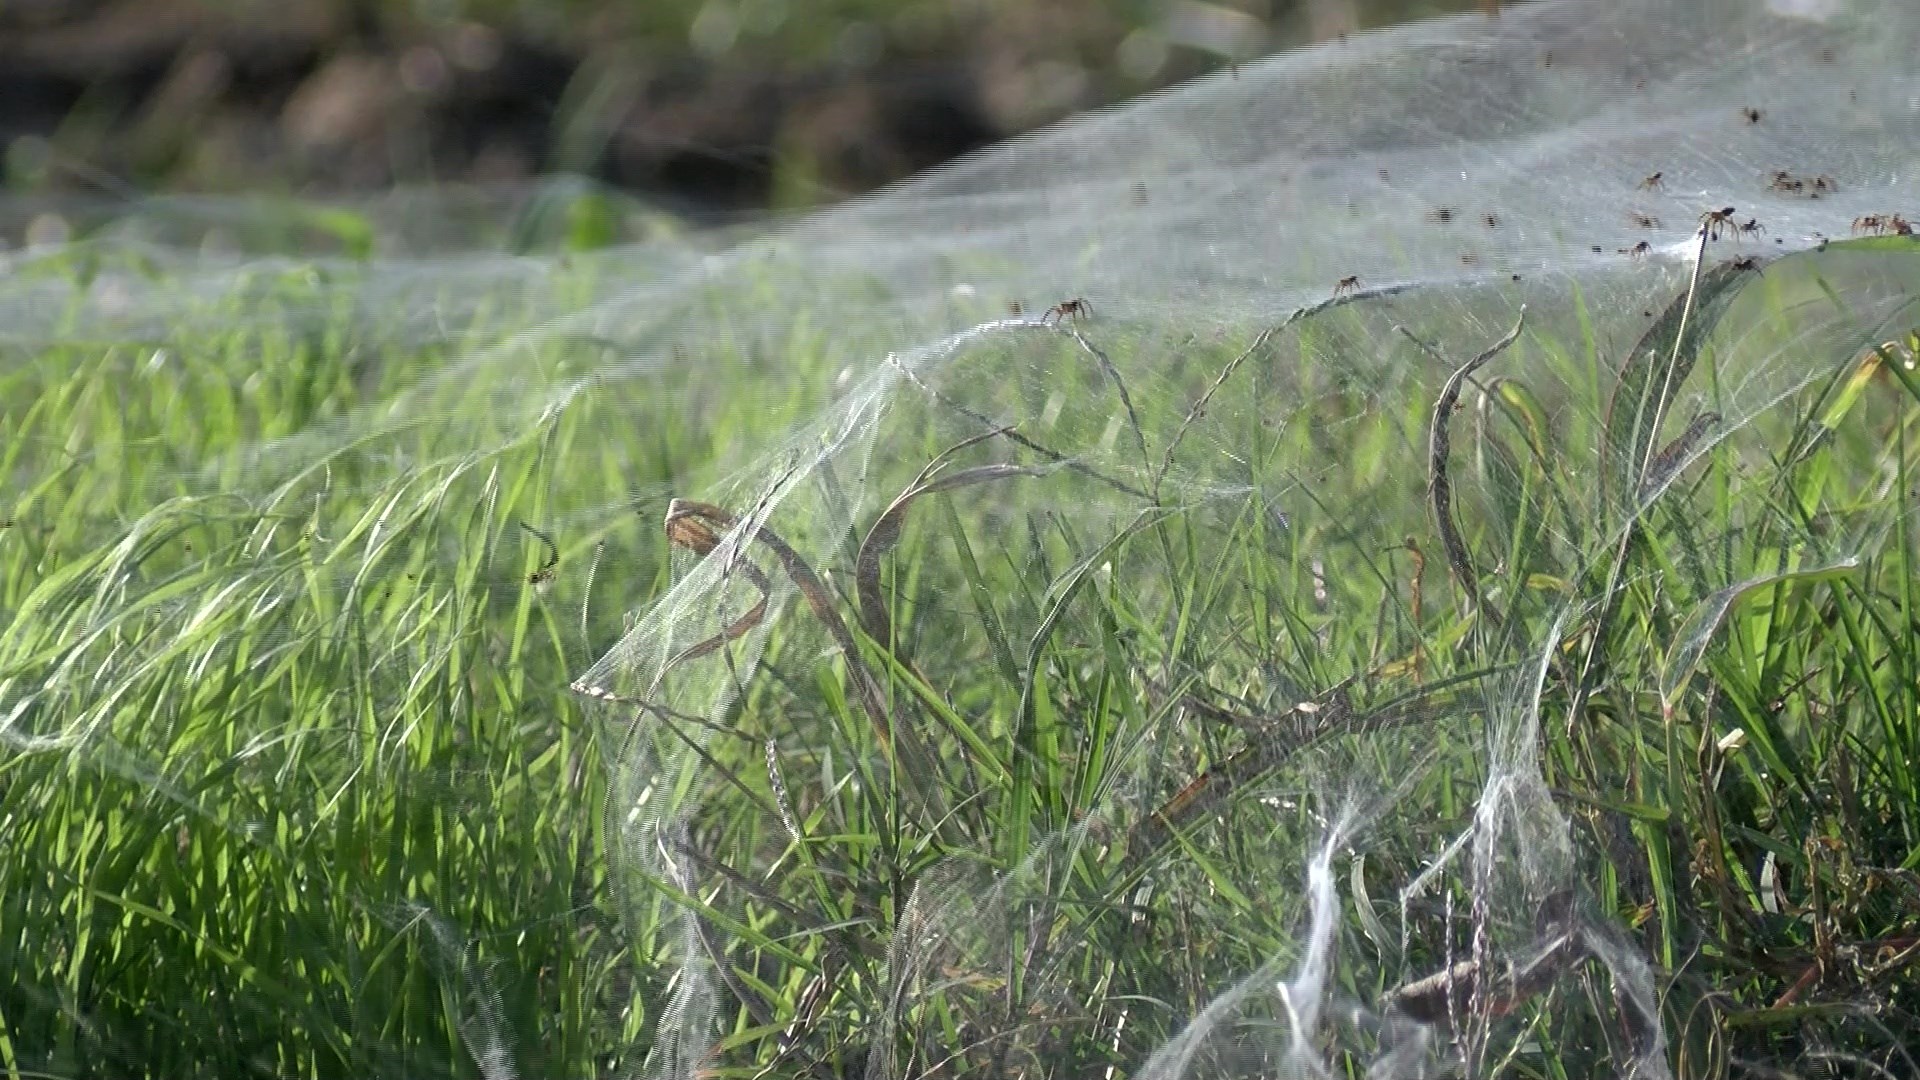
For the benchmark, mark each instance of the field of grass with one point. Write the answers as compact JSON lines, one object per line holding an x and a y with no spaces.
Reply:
{"x":1118,"y":694}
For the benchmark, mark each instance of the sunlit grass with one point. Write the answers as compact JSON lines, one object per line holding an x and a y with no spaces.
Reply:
{"x":294,"y":784}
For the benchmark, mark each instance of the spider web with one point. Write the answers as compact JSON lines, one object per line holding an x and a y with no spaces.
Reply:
{"x":1058,"y":657}
{"x":1260,"y":284}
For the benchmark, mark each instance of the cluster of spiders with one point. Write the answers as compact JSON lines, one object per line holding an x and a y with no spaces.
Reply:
{"x":1713,"y":225}
{"x":1811,"y":186}
{"x":1883,"y":225}
{"x":1715,"y":222}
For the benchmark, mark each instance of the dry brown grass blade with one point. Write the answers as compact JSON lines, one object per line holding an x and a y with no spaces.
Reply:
{"x":1259,"y":342}
{"x":1199,"y":408}
{"x":1119,"y":385}
{"x":1015,"y":436}
{"x":1440,"y":450}
{"x":1668,"y":461}
{"x":698,"y":538}
{"x":693,"y":525}
{"x":1432,"y":999}
{"x":1273,"y":740}
{"x":885,"y":533}
{"x":681,"y":878}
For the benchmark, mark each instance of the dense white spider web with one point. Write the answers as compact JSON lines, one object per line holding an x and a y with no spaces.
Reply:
{"x":1226,"y":442}
{"x":1558,"y":157}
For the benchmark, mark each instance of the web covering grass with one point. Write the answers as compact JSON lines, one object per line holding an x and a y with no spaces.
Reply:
{"x":1230,"y":679}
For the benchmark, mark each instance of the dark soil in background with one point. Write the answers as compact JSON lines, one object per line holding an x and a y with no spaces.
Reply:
{"x":713,"y":107}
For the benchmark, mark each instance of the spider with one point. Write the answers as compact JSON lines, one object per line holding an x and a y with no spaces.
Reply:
{"x":1713,"y":221}
{"x":1823,"y":182}
{"x":1745,"y":262}
{"x":1752,"y":114}
{"x":1653,"y":183}
{"x":1752,"y":227}
{"x":1645,"y":221}
{"x":1067,"y":309}
{"x":1346,"y":284}
{"x":1492,"y":221}
{"x":1441,"y":215}
{"x":1783,"y":180}
{"x":1638,"y":250}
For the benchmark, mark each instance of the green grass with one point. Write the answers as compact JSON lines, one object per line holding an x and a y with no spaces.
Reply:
{"x":293,"y":783}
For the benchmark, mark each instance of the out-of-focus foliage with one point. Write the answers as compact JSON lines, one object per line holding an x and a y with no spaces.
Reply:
{"x":725,"y":105}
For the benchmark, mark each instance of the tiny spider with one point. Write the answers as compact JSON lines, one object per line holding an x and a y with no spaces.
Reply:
{"x":1441,"y":215}
{"x":1713,"y":221}
{"x":1745,"y":262}
{"x":1067,"y":309}
{"x":1492,"y":222}
{"x":1346,"y":284}
{"x":1653,"y":183}
{"x":1638,"y":250}
{"x":1785,"y":181}
{"x":1752,"y":227}
{"x":1752,"y":114}
{"x":1823,"y":182}
{"x":1645,"y":221}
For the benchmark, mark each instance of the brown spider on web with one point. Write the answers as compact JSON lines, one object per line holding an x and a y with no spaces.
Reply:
{"x":1067,"y":309}
{"x":1714,"y":222}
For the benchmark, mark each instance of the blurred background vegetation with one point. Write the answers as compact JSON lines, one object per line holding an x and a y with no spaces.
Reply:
{"x":713,"y":108}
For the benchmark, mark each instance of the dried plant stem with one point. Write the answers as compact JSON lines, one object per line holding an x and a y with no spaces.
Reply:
{"x":1609,"y":600}
{"x":1673,"y":359}
{"x":885,"y":533}
{"x":1440,"y":449}
{"x":692,"y":525}
{"x":586,"y":593}
{"x":681,"y":878}
{"x":1199,"y":408}
{"x":1272,"y":742}
{"x":1431,"y":999}
{"x":1119,"y":384}
{"x":1013,"y":435}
